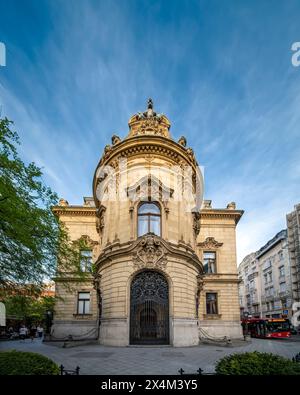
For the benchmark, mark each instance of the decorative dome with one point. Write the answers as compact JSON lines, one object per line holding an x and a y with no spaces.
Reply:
{"x":149,"y":122}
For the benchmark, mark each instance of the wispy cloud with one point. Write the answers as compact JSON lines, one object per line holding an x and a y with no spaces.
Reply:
{"x":222,"y":74}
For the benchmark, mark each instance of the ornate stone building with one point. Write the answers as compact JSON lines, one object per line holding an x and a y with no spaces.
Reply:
{"x":164,"y":262}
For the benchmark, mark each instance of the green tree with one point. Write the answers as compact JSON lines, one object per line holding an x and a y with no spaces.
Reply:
{"x":29,"y":308}
{"x":34,"y":245}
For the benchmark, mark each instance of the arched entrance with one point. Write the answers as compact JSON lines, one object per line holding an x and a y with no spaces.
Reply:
{"x":149,"y":309}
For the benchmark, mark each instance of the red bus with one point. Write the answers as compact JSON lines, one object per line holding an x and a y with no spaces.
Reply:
{"x":267,"y":328}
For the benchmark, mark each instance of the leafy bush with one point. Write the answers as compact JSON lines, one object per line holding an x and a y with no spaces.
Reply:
{"x":256,"y":363}
{"x":26,"y":363}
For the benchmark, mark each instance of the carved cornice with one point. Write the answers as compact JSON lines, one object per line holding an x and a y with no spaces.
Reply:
{"x":157,"y":245}
{"x":221,"y":214}
{"x":141,"y":146}
{"x":145,"y":145}
{"x":80,"y":211}
{"x":213,"y":279}
{"x":210,"y":243}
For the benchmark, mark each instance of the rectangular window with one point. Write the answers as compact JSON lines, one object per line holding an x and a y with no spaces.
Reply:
{"x":284,"y":303}
{"x":85,"y":260}
{"x":211,"y":303}
{"x":83,"y":303}
{"x":267,"y":264}
{"x":270,"y":277}
{"x":143,"y":225}
{"x":266,"y":278}
{"x":209,"y":262}
{"x":271,"y":291}
{"x":155,"y":225}
{"x":281,"y":271}
{"x":282,"y":287}
{"x":248,"y":300}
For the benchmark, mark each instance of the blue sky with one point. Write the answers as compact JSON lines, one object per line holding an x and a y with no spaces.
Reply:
{"x":220,"y":70}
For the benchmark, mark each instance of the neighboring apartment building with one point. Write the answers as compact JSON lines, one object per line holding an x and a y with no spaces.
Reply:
{"x":249,"y":287}
{"x":293,"y":230}
{"x":266,"y":284}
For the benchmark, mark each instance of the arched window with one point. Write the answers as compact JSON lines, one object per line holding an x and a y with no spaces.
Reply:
{"x":149,"y":218}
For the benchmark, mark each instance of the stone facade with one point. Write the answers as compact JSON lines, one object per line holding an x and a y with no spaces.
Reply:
{"x":148,"y":166}
{"x":293,"y":229}
{"x":266,"y":283}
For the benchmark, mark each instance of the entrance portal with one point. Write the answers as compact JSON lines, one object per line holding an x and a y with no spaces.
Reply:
{"x":149,"y":309}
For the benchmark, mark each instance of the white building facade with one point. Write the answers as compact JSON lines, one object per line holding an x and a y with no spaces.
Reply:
{"x":265,"y":288}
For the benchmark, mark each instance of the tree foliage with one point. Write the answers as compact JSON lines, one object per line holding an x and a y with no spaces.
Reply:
{"x":29,"y":307}
{"x":26,"y":363}
{"x":34,"y":245}
{"x":256,"y":364}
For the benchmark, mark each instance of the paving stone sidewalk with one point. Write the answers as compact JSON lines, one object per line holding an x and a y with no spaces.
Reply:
{"x":97,"y":359}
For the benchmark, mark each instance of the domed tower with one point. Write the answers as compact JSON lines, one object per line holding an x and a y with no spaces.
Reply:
{"x":164,"y":261}
{"x":147,"y":191}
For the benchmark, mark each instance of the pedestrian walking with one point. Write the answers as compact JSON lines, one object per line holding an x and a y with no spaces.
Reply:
{"x":23,"y":332}
{"x":32,"y":332}
{"x":40,"y":331}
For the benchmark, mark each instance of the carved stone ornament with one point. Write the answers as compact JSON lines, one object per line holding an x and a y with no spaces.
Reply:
{"x":149,"y":188}
{"x":210,"y":243}
{"x":63,"y":202}
{"x":196,"y":223}
{"x":150,"y":253}
{"x":100,"y":222}
{"x":182,"y":141}
{"x":115,"y":139}
{"x":88,"y":241}
{"x":199,"y":284}
{"x":149,"y":122}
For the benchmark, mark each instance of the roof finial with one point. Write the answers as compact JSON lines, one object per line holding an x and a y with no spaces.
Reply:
{"x":150,"y":113}
{"x":150,"y":103}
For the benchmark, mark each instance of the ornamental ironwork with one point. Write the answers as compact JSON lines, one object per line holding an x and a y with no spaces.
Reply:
{"x":149,"y":309}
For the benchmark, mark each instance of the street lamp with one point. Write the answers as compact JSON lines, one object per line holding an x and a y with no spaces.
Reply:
{"x":48,"y":321}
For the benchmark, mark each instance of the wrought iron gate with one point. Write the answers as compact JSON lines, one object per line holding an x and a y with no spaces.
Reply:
{"x":149,"y":309}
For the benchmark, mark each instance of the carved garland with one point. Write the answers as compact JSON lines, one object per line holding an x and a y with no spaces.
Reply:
{"x":196,"y":223}
{"x":100,"y":222}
